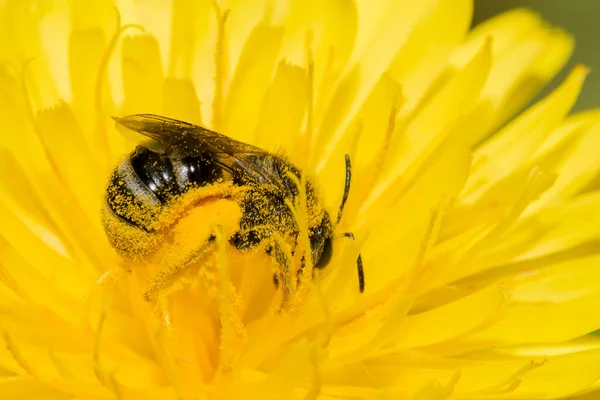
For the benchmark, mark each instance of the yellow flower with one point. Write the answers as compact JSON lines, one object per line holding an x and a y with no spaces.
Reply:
{"x":477,"y":223}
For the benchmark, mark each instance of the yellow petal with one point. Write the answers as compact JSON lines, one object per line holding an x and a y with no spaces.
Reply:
{"x":562,"y":227}
{"x":180,"y":101}
{"x":69,"y":140}
{"x":376,"y":47}
{"x":444,"y":28}
{"x":502,"y":154}
{"x":21,"y":47}
{"x":189,"y":25}
{"x":17,"y":387}
{"x":527,"y":53}
{"x":142,"y":75}
{"x":576,"y":162}
{"x":284,"y":107}
{"x":551,"y":304}
{"x":247,"y":91}
{"x":446,"y":104}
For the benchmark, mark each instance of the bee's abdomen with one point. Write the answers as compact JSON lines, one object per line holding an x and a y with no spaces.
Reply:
{"x":197,"y":171}
{"x":155,"y":172}
{"x":147,"y":180}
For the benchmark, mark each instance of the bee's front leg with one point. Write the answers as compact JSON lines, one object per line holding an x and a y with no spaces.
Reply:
{"x":284,"y":276}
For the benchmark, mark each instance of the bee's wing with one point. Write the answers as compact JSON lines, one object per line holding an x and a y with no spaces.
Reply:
{"x":172,"y":132}
{"x":166,"y":130}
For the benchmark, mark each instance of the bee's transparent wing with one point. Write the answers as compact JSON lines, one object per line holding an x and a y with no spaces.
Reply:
{"x":168,"y":130}
{"x":173,"y":133}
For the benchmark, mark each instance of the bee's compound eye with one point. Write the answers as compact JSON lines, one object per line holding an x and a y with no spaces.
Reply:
{"x":326,"y":254}
{"x":320,"y":242}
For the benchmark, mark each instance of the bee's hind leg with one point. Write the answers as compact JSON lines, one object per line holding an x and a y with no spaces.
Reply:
{"x":174,"y":266}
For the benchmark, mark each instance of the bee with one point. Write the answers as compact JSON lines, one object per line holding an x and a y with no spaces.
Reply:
{"x":182,"y":159}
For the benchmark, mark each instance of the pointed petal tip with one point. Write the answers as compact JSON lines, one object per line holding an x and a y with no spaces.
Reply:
{"x":582,"y":70}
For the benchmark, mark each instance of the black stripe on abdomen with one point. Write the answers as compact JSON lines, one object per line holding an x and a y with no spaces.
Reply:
{"x":155,"y":171}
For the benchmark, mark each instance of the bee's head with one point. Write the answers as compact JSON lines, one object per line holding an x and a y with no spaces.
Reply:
{"x":320,"y":242}
{"x":321,"y":236}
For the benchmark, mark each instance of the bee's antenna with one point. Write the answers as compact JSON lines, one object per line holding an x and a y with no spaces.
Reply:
{"x":346,"y":188}
{"x":359,"y":265}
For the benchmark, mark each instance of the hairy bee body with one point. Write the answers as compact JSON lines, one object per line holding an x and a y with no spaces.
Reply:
{"x":186,"y":161}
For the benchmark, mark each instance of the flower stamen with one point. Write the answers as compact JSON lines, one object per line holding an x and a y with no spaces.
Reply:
{"x":315,"y":390}
{"x":436,"y":391}
{"x":375,"y":168}
{"x":98,"y":370}
{"x":381,"y":158}
{"x":393,"y":301}
{"x":16,"y":353}
{"x":167,"y":362}
{"x":7,"y":279}
{"x":328,"y":322}
{"x":220,"y":67}
{"x":310,"y":73}
{"x":61,"y":368}
{"x":355,"y":134}
{"x":232,"y":331}
{"x":98,"y":92}
{"x":515,"y":380}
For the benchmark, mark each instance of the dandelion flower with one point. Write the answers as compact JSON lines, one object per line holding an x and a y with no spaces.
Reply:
{"x":477,"y":220}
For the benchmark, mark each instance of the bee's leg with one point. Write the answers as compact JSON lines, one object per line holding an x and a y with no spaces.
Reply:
{"x":283,"y":277}
{"x":257,"y":236}
{"x":298,"y":278}
{"x":275,"y":247}
{"x":175,"y":265}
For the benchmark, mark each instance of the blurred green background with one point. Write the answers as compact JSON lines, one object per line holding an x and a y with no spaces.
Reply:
{"x":581,"y":18}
